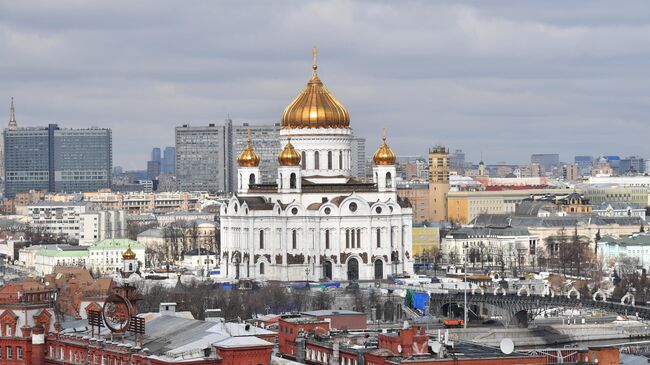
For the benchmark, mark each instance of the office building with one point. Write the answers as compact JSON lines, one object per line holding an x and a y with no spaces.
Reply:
{"x":548,"y":160}
{"x":632,"y":165}
{"x":358,"y":154}
{"x":438,"y":183}
{"x":153,"y":170}
{"x":169,"y":160}
{"x":457,"y":160}
{"x":585,"y":164}
{"x":266,"y":141}
{"x":57,"y":160}
{"x":201,"y":158}
{"x":11,"y":126}
{"x":617,"y":193}
{"x":155,"y":154}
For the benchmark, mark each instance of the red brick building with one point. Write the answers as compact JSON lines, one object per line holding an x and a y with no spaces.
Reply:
{"x":341,"y":319}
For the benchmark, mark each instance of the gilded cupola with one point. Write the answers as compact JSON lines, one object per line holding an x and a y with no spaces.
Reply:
{"x":128,"y":254}
{"x":384,"y":154}
{"x":315,"y":107}
{"x":289,"y":156}
{"x":248,"y":157}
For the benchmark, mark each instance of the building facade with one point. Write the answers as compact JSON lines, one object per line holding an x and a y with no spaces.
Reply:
{"x":316,"y":221}
{"x":266,"y":142}
{"x":438,"y":183}
{"x":635,"y":246}
{"x":201,"y":158}
{"x":548,"y":160}
{"x":358,"y":162}
{"x":57,"y":160}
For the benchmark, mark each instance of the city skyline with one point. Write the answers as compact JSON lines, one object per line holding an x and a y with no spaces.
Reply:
{"x":508,"y":79}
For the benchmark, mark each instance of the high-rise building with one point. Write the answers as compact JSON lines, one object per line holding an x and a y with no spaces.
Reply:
{"x":438,"y":183}
{"x":548,"y":160}
{"x":153,"y":170}
{"x":570,"y":172}
{"x":155,"y":154}
{"x":57,"y":160}
{"x":169,"y":160}
{"x":585,"y":164}
{"x":457,"y":159}
{"x":12,"y":125}
{"x":358,"y":153}
{"x":202,"y":158}
{"x":266,"y":141}
{"x":632,"y":164}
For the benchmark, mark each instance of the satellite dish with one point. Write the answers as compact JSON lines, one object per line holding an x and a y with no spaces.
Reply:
{"x":399,"y":349}
{"x":435,"y":346}
{"x":507,"y":346}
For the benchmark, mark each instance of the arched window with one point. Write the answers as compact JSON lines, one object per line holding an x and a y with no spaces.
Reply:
{"x":251,"y":180}
{"x":347,"y":238}
{"x":304,"y":160}
{"x":240,"y":181}
{"x":340,"y":160}
{"x":316,"y":160}
{"x":294,"y":239}
{"x":329,"y":160}
{"x":378,"y":238}
{"x":261,"y":239}
{"x":292,"y":181}
{"x":327,"y":239}
{"x":353,"y":233}
{"x":261,"y":268}
{"x":130,"y":266}
{"x":359,"y":238}
{"x":389,"y":180}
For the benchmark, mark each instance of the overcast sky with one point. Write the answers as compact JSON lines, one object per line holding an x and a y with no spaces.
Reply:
{"x":506,"y":78}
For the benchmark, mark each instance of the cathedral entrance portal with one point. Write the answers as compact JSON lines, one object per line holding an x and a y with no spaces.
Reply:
{"x":379,"y":270}
{"x":353,"y":269}
{"x":327,"y":270}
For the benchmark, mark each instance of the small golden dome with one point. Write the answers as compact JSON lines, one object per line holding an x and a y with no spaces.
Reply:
{"x":384,"y":155}
{"x":289,"y":156}
{"x":248,"y":157}
{"x":128,"y":254}
{"x":315,"y":107}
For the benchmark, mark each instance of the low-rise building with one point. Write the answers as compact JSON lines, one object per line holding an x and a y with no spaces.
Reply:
{"x":619,"y":210}
{"x":200,"y":260}
{"x":47,"y":259}
{"x":464,"y":206}
{"x":106,"y":256}
{"x":490,"y":247}
{"x":635,"y":246}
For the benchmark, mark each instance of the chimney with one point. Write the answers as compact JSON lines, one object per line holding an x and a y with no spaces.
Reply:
{"x":300,"y":349}
{"x":167,"y":308}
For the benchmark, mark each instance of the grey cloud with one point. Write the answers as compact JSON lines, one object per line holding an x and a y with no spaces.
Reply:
{"x":507,"y":78}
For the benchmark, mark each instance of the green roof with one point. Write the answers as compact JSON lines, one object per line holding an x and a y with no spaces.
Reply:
{"x":635,"y":239}
{"x":121,"y":243}
{"x":65,"y":253}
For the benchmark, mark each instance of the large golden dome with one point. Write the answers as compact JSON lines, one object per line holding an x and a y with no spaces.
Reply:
{"x":384,"y":155}
{"x":315,"y":107}
{"x":289,"y":156}
{"x":248,"y":157}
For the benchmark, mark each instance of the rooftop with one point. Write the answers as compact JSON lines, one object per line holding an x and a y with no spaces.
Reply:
{"x":329,"y":312}
{"x":121,"y":243}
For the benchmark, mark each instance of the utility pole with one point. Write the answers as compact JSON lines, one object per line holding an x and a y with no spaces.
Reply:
{"x":465,"y":288}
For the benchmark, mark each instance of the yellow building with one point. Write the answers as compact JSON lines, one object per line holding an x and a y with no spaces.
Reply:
{"x":438,"y":183}
{"x":464,"y":206}
{"x":426,"y":241}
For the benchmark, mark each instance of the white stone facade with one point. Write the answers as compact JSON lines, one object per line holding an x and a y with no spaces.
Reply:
{"x":323,"y":225}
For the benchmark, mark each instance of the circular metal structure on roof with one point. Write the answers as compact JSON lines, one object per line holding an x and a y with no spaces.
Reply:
{"x":117,"y":313}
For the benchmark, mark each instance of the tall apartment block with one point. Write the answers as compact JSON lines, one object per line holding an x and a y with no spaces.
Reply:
{"x":202,"y":158}
{"x":56,"y":159}
{"x":266,"y":142}
{"x":358,"y":157}
{"x":169,"y":161}
{"x":438,"y":183}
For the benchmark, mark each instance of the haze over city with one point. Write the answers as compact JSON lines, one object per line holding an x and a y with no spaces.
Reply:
{"x":504,"y":78}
